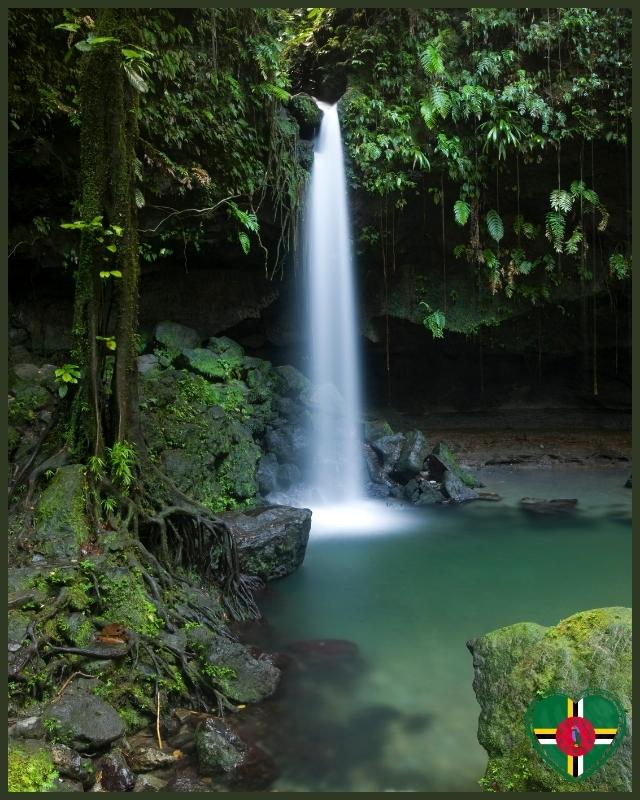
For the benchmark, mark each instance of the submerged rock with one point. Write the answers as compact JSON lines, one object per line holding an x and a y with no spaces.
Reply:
{"x":539,"y":506}
{"x":272,"y":540}
{"x":219,"y":747}
{"x":515,"y":665}
{"x":628,"y":483}
{"x":242,"y":677}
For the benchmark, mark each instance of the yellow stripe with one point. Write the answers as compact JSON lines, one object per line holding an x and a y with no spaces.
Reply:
{"x":569,"y":707}
{"x":546,"y":730}
{"x":570,"y":765}
{"x":612,"y":731}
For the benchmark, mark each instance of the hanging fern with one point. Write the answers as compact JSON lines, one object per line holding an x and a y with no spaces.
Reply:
{"x":491,"y":260}
{"x":441,"y":101}
{"x":554,"y":230}
{"x":619,"y":265}
{"x":571,"y":245}
{"x":461,"y":211}
{"x":495,"y":225}
{"x":561,"y":200}
{"x":245,"y":242}
{"x":427,"y":113}
{"x":431,"y":59}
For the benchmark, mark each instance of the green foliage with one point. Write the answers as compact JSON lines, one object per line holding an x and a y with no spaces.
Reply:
{"x":66,"y":374}
{"x":495,"y":225}
{"x":461,"y":211}
{"x":30,"y":771}
{"x":620,"y":265}
{"x":434,"y":321}
{"x":122,"y":461}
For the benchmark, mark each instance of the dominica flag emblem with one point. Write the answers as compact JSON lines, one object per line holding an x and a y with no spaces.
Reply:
{"x":576,"y":736}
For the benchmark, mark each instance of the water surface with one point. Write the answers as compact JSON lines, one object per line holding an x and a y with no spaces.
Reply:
{"x":400,"y":713}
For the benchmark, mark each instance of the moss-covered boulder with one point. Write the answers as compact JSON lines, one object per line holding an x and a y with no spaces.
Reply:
{"x":442,"y":459}
{"x":516,"y":665}
{"x":209,"y":364}
{"x":176,"y":337}
{"x":61,"y":524}
{"x":306,"y":113}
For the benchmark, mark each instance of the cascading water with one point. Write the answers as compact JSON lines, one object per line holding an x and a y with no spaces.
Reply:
{"x":337,"y":474}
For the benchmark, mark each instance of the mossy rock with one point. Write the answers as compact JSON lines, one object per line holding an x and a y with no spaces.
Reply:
{"x":226,"y":348}
{"x":61,"y":523}
{"x":295,"y":383}
{"x":173,"y":336}
{"x":306,"y":113}
{"x":516,"y":665}
{"x":209,"y":364}
{"x":442,"y":459}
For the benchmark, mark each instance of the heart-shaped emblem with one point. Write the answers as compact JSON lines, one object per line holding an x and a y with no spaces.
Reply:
{"x":576,"y":735}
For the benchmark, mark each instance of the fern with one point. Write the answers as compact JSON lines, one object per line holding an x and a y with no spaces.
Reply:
{"x":561,"y":200}
{"x":431,"y":59}
{"x":461,"y":211}
{"x":434,"y":321}
{"x":245,"y":242}
{"x":571,"y":245}
{"x":554,"y":230}
{"x":495,"y":225}
{"x":491,"y":260}
{"x":523,"y":228}
{"x":619,"y":265}
{"x":427,"y":114}
{"x":441,"y":101}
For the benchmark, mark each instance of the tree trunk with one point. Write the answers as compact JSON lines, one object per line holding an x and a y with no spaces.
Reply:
{"x":109,"y":118}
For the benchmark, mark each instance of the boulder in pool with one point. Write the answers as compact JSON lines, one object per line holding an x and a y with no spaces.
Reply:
{"x":536,"y":505}
{"x":516,"y":665}
{"x":271,"y":540}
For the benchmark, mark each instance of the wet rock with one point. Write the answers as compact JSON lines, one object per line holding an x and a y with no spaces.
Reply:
{"x":389,"y":449}
{"x":219,"y":747}
{"x":65,"y":785}
{"x":628,"y":483}
{"x":271,"y":541}
{"x":243,"y":678}
{"x":376,"y":429}
{"x":379,"y":490}
{"x":61,"y":524}
{"x":373,"y":463}
{"x":288,"y":475}
{"x":176,"y":337}
{"x":412,"y":456}
{"x":72,"y":765}
{"x":515,"y":665}
{"x":294,"y":382}
{"x":147,"y":362}
{"x":150,"y":783}
{"x":441,"y":459}
{"x":146,"y":758}
{"x":287,"y":442}
{"x":456,"y":490}
{"x":116,"y":776}
{"x":206,"y":363}
{"x":89,"y":722}
{"x":267,"y":474}
{"x":536,"y":505}
{"x":421,"y":492}
{"x":187,"y":782}
{"x":493,"y":497}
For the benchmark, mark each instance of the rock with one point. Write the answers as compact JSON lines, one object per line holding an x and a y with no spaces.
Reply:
{"x":219,"y":747}
{"x":373,"y":463}
{"x":225,"y":348}
{"x":89,"y":722}
{"x":288,"y":442}
{"x":146,"y":758}
{"x":65,"y":785}
{"x":413,"y":453}
{"x":267,"y":474}
{"x":27,"y":372}
{"x":206,"y":363}
{"x":242,"y":677}
{"x":72,"y":765}
{"x":515,"y":665}
{"x":441,"y":459}
{"x":147,"y":362}
{"x":115,"y":773}
{"x":149,"y":783}
{"x":175,"y":337}
{"x":536,"y":505}
{"x":295,"y":383}
{"x":421,"y":492}
{"x":628,"y":484}
{"x":187,"y":783}
{"x":306,"y":113}
{"x":389,"y":449}
{"x":376,"y":429}
{"x":61,"y":524}
{"x":493,"y":497}
{"x":455,"y":489}
{"x":379,"y":490}
{"x":271,"y":541}
{"x":27,"y":728}
{"x":288,"y":475}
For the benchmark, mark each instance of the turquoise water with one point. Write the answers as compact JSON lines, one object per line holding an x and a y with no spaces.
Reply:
{"x":399,"y":714}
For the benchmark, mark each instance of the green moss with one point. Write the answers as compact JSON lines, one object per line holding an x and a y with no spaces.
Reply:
{"x":220,"y":675}
{"x":30,"y":772}
{"x":124,"y":596}
{"x":60,"y":519}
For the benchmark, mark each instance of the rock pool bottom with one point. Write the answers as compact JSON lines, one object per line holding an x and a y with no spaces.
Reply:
{"x":391,"y":707}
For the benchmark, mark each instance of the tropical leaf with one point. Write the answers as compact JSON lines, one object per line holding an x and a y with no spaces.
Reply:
{"x":461,"y":211}
{"x":555,"y":224}
{"x":561,"y":200}
{"x":135,"y":79}
{"x":571,"y":245}
{"x":427,"y":113}
{"x":245,"y":242}
{"x":495,"y":225}
{"x":441,"y":101}
{"x":431,"y":59}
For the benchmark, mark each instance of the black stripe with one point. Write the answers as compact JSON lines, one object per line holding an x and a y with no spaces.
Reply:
{"x":575,"y":709}
{"x":575,"y":766}
{"x":605,"y":736}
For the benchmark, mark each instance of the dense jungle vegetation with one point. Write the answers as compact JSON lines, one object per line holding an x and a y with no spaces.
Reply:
{"x":497,"y":141}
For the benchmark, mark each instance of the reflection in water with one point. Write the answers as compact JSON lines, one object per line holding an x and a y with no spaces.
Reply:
{"x":377,"y":693}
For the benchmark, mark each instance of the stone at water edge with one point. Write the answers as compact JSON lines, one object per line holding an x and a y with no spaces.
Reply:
{"x":389,"y":449}
{"x":115,"y":774}
{"x":514,"y":666}
{"x":456,"y":490}
{"x":272,"y":540}
{"x":441,"y":458}
{"x":538,"y":505}
{"x":219,"y":747}
{"x":412,"y":456}
{"x":628,"y":484}
{"x":242,"y":677}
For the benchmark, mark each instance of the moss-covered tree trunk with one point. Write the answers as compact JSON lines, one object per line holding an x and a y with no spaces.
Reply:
{"x":106,"y":307}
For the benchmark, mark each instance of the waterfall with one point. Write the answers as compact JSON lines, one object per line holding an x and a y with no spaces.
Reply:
{"x":337,"y":473}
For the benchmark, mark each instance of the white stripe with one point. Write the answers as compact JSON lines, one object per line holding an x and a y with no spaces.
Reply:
{"x":604,"y":741}
{"x":581,"y":708}
{"x":580,"y":765}
{"x":547,"y":740}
